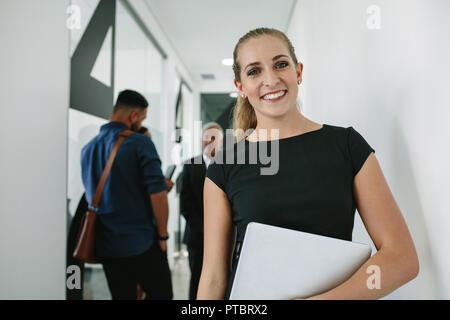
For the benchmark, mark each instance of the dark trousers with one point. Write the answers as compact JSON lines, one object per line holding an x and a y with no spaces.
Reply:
{"x":150,"y":270}
{"x":195,"y":264}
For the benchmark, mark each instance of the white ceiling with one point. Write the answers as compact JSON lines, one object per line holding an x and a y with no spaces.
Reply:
{"x":203,"y":32}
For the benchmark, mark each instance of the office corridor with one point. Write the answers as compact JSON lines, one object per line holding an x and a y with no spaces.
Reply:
{"x":375,"y":73}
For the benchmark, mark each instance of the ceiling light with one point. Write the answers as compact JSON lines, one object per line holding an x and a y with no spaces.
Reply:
{"x":227,"y":62}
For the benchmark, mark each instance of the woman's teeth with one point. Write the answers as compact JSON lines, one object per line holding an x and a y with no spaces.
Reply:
{"x":274,"y":96}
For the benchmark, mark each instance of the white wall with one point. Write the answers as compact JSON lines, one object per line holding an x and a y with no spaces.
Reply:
{"x":34,"y":90}
{"x":391,"y":85}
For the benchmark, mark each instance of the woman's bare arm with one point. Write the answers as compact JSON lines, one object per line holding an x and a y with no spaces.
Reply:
{"x":396,"y":257}
{"x":217,"y":243}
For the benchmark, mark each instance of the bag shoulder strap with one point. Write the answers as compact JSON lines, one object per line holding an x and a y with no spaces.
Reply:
{"x":101,"y":185}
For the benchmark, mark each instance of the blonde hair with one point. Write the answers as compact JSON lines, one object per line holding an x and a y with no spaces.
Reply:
{"x":244,"y":117}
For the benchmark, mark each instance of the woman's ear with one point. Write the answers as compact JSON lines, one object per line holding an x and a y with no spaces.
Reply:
{"x":239,"y":87}
{"x":299,"y":71}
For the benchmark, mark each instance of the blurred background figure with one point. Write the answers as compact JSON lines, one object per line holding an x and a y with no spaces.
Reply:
{"x":73,"y":230}
{"x":191,"y":200}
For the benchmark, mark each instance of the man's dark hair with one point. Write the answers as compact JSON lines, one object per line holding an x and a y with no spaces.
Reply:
{"x":130,"y":99}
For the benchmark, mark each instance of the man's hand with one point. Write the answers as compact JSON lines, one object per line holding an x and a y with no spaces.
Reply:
{"x":163,"y":245}
{"x":169,"y":184}
{"x":161,"y":212}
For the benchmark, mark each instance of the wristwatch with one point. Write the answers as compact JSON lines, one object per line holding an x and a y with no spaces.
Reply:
{"x":163,"y":238}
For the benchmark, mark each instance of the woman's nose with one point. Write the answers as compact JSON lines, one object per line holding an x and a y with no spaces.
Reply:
{"x":270,"y":78}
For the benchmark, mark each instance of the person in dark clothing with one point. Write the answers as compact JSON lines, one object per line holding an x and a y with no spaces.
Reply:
{"x":75,"y":294}
{"x":131,"y":227}
{"x":314,"y":180}
{"x":191,"y":200}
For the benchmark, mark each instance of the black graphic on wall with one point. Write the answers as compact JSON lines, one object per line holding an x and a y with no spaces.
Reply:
{"x":179,"y":110}
{"x":179,"y":113}
{"x":87,"y":94}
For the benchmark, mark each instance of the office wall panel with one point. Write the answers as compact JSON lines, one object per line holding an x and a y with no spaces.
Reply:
{"x":34,"y":95}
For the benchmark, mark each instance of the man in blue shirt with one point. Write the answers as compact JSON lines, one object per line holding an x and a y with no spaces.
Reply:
{"x":131,"y":230}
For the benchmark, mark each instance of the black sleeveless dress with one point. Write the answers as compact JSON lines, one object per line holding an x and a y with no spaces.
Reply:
{"x":307,"y":183}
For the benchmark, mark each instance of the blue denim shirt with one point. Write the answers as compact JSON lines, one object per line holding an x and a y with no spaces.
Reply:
{"x":125,"y":222}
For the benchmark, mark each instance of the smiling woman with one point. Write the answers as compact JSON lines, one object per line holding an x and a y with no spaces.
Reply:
{"x":325,"y":173}
{"x":256,"y":76}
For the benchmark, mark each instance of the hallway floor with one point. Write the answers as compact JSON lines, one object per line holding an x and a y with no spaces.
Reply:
{"x":96,"y":287}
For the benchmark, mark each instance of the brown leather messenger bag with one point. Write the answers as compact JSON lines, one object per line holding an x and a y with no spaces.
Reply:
{"x":85,"y":246}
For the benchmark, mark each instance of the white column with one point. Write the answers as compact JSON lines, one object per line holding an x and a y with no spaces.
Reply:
{"x":34,"y":95}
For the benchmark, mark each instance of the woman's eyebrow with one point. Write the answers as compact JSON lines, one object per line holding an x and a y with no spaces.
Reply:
{"x":279,"y":56}
{"x":273,"y":59}
{"x":252,"y":64}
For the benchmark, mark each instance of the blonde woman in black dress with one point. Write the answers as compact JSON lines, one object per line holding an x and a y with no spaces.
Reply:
{"x":324,"y":174}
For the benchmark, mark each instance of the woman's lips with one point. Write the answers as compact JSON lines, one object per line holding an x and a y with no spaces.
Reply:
{"x":274,"y":96}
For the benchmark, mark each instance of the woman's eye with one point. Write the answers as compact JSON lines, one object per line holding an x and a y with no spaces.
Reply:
{"x":282,"y":65}
{"x":252,"y":72}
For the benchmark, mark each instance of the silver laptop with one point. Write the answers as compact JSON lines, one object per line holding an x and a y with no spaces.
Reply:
{"x":277,"y":263}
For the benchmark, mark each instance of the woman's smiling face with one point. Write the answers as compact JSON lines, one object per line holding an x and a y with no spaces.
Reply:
{"x":269,"y":76}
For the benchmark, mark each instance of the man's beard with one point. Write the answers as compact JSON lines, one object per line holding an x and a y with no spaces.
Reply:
{"x":135,"y":127}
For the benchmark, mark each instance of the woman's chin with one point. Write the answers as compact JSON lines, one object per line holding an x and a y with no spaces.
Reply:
{"x":275,"y":111}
